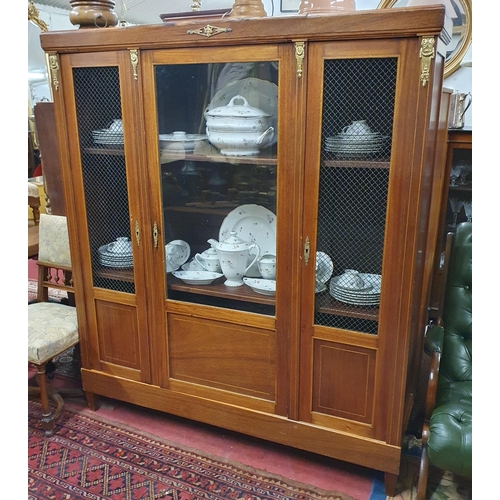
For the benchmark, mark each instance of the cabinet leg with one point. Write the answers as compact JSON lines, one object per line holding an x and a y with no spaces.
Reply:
{"x":390,"y":481}
{"x":92,"y":400}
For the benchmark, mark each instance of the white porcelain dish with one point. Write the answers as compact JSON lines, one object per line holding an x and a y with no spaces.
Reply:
{"x":260,"y":94}
{"x":238,"y":128}
{"x":253,"y":224}
{"x":324,"y":267}
{"x":197,"y":277}
{"x":176,"y":142}
{"x":262,"y":286}
{"x":370,"y":296}
{"x":176,"y":253}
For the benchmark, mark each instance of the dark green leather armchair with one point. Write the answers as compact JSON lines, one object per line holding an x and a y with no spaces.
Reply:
{"x":447,"y":430}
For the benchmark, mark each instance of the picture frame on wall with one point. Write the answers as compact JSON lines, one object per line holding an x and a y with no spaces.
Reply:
{"x":289,"y":5}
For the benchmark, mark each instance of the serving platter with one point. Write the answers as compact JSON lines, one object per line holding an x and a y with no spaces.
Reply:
{"x":262,"y":286}
{"x":197,"y":277}
{"x":253,"y":224}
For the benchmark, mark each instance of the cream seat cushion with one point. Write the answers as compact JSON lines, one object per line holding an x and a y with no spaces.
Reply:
{"x":33,"y":190}
{"x":52,"y":328}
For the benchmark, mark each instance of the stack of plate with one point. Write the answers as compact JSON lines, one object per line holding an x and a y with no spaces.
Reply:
{"x":117,"y":259}
{"x":369,"y":295}
{"x":356,"y":145}
{"x":108,"y":137}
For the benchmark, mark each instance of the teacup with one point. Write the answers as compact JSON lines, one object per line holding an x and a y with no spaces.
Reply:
{"x":122,"y":246}
{"x":267,"y":266}
{"x":351,"y":279}
{"x":359,"y":127}
{"x":116,"y":126}
{"x":208,"y":262}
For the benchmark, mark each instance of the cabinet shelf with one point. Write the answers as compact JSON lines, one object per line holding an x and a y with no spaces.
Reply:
{"x":328,"y":305}
{"x":218,"y":289}
{"x":263,"y":159}
{"x":117,"y":274}
{"x":109,"y":151}
{"x":466,"y":188}
{"x":356,"y":164}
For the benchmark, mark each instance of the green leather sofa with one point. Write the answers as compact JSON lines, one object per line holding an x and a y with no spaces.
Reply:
{"x":447,"y":430}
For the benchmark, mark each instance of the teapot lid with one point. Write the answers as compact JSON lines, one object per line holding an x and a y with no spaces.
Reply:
{"x":237,"y":110}
{"x":232,"y":243}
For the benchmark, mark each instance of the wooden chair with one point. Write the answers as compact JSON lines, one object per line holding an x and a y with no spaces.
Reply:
{"x":52,"y":327}
{"x":34,"y":202}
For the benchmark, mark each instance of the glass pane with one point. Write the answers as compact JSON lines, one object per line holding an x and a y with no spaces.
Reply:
{"x":98,"y":107}
{"x":459,"y":208}
{"x":358,"y":108}
{"x":217,"y":127}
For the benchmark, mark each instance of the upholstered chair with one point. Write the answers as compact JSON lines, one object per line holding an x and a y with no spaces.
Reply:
{"x":447,"y":431}
{"x":52,"y":327}
{"x":34,"y":201}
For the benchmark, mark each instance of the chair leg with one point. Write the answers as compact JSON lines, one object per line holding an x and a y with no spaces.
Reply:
{"x":47,"y":418}
{"x":424,"y":467}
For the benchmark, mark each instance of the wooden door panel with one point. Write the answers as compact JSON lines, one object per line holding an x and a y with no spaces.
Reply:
{"x":118,"y":338}
{"x":343,"y":380}
{"x":222,"y":356}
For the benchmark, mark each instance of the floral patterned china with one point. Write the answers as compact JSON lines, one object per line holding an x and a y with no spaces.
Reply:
{"x":197,"y":277}
{"x":262,"y":286}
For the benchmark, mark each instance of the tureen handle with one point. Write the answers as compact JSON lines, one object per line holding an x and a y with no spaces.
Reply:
{"x":264,"y":134}
{"x":231,"y":102}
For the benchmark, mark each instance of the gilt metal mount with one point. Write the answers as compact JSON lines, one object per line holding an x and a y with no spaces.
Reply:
{"x":208,"y":31}
{"x":427,"y":52}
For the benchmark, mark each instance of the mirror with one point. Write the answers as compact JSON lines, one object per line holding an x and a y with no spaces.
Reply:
{"x":460,"y":12}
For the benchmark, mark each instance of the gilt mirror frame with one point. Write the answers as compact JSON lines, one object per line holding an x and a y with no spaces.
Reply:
{"x":462,"y":29}
{"x":42,"y":78}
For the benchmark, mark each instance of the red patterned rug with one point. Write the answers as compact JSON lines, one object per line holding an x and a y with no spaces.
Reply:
{"x":96,"y":459}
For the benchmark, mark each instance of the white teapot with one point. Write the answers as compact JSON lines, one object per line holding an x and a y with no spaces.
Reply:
{"x":233,"y":256}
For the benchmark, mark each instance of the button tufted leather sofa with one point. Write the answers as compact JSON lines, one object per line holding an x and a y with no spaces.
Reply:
{"x":447,"y":430}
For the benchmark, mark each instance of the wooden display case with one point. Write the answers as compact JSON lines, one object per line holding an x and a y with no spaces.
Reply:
{"x":453,"y":209}
{"x":332,"y":373}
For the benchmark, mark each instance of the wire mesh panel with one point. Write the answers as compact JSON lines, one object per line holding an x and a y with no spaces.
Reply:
{"x":98,"y":105}
{"x":358,"y":110}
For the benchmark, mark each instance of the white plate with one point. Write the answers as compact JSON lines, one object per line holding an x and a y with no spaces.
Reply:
{"x":324,"y":269}
{"x":262,"y":286}
{"x":253,"y":224}
{"x":197,"y":277}
{"x":117,"y":264}
{"x":174,"y":261}
{"x":358,"y":297}
{"x":260,"y":94}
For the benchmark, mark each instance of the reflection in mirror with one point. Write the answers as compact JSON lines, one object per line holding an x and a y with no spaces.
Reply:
{"x":460,"y":12}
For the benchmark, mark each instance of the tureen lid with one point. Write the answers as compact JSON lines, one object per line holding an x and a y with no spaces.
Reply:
{"x":237,"y":110}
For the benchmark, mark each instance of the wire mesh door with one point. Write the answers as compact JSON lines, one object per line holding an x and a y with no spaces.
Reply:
{"x":358,"y":109}
{"x":98,"y":106}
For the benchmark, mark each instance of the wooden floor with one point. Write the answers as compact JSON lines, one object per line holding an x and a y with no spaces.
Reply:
{"x":32,"y":240}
